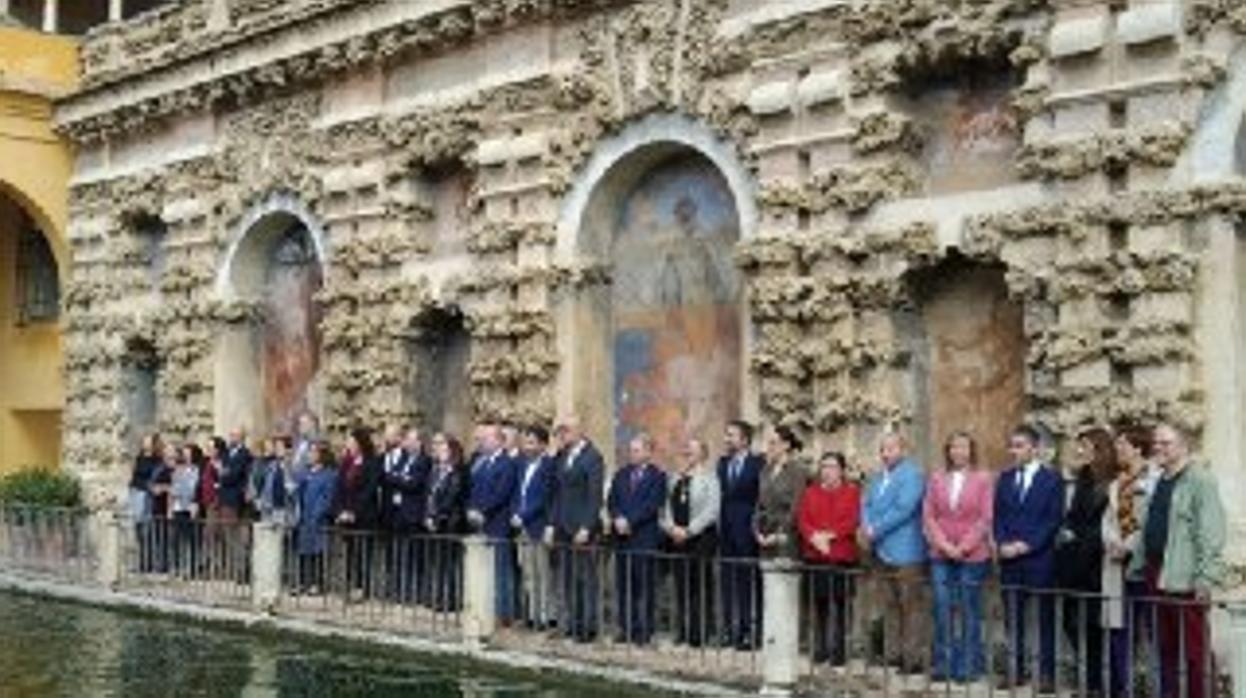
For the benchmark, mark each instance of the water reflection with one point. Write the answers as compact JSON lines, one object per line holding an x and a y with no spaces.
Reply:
{"x":50,"y":650}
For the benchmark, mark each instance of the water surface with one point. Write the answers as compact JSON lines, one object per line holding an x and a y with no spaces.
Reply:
{"x":50,"y":649}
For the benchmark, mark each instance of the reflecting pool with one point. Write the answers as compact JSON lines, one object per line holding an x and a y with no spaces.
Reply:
{"x":53,"y":649}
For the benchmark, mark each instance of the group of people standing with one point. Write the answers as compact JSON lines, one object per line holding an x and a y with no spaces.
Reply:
{"x":1125,"y":539}
{"x":1130,"y":531}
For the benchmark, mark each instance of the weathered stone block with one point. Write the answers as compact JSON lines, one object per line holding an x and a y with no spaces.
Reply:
{"x":1081,"y":118}
{"x":1148,"y":22}
{"x":1148,"y":240}
{"x":500,"y":150}
{"x":1091,"y":374}
{"x":1086,"y":311}
{"x":1164,"y":307}
{"x":1077,"y":36}
{"x":1166,"y":379}
{"x":821,"y":88}
{"x":771,"y":98}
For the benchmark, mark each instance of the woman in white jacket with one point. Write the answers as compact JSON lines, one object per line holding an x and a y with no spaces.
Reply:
{"x":1127,"y":500}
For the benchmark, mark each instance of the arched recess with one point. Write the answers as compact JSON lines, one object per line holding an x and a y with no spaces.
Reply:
{"x":268,"y":359}
{"x":438,"y":389}
{"x":660,"y":347}
{"x":31,"y":278}
{"x":966,"y":340}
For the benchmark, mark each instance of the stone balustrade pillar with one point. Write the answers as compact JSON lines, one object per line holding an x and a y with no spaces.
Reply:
{"x":780,"y":627}
{"x":267,"y":561}
{"x":107,"y":529}
{"x":1237,"y":646}
{"x":479,"y":580}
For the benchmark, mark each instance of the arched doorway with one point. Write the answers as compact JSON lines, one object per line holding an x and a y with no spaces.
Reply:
{"x":659,"y":348}
{"x":31,"y":400}
{"x":269,"y":359}
{"x":968,"y":345}
{"x":440,"y":390}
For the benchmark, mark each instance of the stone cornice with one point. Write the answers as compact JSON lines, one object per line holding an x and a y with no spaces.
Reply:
{"x":316,"y":39}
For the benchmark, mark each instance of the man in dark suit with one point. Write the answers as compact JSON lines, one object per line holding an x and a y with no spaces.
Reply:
{"x":575,"y":526}
{"x":489,"y":509}
{"x":739,"y":477}
{"x":1029,"y":506}
{"x":404,"y":495}
{"x":231,"y":481}
{"x":637,"y":493}
{"x":530,"y":514}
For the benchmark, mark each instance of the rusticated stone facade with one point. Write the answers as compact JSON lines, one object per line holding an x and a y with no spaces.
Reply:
{"x":1076,"y":166}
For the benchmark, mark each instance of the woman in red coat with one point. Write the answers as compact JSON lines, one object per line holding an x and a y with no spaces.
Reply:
{"x":828,"y":516}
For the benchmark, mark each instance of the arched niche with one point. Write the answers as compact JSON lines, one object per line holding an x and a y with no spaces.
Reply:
{"x":268,"y":362}
{"x":438,"y":388}
{"x":659,"y":348}
{"x":140,"y":369}
{"x":32,"y":397}
{"x":966,"y":339}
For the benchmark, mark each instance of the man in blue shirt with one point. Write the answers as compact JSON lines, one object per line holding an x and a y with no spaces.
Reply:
{"x":891,"y":523}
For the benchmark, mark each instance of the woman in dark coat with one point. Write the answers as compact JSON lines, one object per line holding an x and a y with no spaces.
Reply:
{"x":445,"y":516}
{"x":146,"y":465}
{"x":359,"y":506}
{"x":1080,"y":551}
{"x":782,"y":484}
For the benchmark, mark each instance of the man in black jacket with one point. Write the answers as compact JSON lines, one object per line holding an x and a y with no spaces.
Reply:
{"x":231,"y":480}
{"x":575,"y":528}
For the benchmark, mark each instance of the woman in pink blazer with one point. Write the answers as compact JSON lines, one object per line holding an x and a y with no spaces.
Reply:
{"x":956,"y":516}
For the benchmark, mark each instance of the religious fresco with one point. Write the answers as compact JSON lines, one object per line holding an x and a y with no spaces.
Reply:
{"x":676,"y":307}
{"x":290,"y":328}
{"x":971,"y":135}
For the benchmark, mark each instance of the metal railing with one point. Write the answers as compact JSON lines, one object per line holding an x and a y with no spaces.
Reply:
{"x":854,"y":630}
{"x":54,"y":542}
{"x":984,"y":639}
{"x":187,"y":559}
{"x":400,"y":583}
{"x":649,"y":609}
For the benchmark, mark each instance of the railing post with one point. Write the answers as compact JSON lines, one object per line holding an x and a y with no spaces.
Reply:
{"x":1237,"y":644}
{"x":107,"y":527}
{"x":780,"y":627}
{"x":478,"y":590}
{"x":267,"y":548}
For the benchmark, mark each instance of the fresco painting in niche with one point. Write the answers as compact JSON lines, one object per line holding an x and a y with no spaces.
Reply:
{"x":675,"y":301}
{"x":971,"y":133}
{"x":290,"y":327}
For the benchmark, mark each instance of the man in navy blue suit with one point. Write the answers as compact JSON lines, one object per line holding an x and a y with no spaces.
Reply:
{"x":739,"y":477}
{"x":404,"y":483}
{"x":529,"y":515}
{"x":1029,"y":506}
{"x":489,"y":509}
{"x":637,"y":494}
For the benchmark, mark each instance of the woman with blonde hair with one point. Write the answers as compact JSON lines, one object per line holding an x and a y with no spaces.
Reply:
{"x":957,"y":513}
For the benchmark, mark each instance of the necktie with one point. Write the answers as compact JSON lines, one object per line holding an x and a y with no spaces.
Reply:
{"x":637,"y":474}
{"x":736,"y":464}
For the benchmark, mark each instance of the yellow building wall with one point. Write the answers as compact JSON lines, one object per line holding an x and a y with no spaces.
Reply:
{"x":35,"y":168}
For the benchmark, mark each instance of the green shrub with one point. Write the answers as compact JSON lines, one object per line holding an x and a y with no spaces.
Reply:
{"x":40,"y":487}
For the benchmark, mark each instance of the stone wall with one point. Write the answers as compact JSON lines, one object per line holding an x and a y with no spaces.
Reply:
{"x":1077,"y":148}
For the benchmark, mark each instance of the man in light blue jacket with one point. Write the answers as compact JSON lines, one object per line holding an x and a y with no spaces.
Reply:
{"x":891,"y":523}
